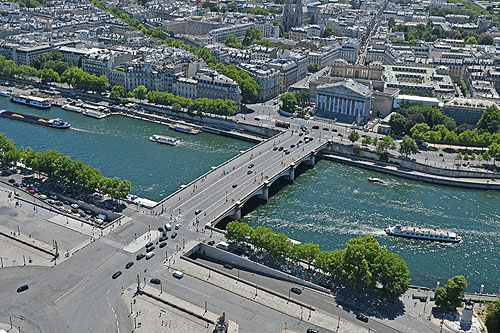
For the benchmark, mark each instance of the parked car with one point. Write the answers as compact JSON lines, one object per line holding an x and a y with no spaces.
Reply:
{"x":155,"y":281}
{"x":311,"y":330}
{"x":116,"y":274}
{"x":22,"y":288}
{"x":296,"y":290}
{"x":177,"y":226}
{"x":75,"y":206}
{"x":162,"y":245}
{"x":178,"y":274}
{"x":362,"y":317}
{"x":211,"y":242}
{"x":174,"y":234}
{"x":228,"y":266}
{"x":149,"y":244}
{"x":42,"y":197}
{"x":168,"y":227}
{"x":54,"y":197}
{"x":12,"y":180}
{"x":163,"y":238}
{"x":160,"y":229}
{"x":149,"y":249}
{"x":150,"y":255}
{"x":140,"y":256}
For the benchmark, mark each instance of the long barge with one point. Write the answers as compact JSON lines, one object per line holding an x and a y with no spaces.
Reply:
{"x":54,"y":123}
{"x":37,"y":102}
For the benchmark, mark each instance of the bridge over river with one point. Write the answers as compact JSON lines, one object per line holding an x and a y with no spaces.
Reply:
{"x":223,"y":191}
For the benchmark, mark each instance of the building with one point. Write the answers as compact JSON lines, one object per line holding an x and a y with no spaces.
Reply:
{"x":419,"y":80}
{"x":267,"y":78}
{"x":74,"y":54}
{"x":345,"y":101}
{"x":159,"y":77}
{"x":214,"y":85}
{"x":24,"y":55}
{"x":467,"y":110}
{"x":103,"y":61}
{"x":220,"y":35}
{"x":304,"y":32}
{"x":323,"y":56}
{"x":292,"y":15}
{"x":292,"y":68}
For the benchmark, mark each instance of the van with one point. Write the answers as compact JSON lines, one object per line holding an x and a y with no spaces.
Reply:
{"x":223,"y":246}
{"x":168,"y":227}
{"x":178,"y":274}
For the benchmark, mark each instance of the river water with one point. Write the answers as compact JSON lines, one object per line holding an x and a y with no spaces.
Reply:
{"x":326,"y":205}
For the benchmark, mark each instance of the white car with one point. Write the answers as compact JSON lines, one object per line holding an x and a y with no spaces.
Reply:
{"x":75,"y":206}
{"x":54,"y":197}
{"x":42,"y":197}
{"x":150,"y":255}
{"x":177,"y":226}
{"x":178,"y":274}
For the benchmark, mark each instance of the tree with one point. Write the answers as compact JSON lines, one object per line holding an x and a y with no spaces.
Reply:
{"x":140,"y":92}
{"x":49,"y":75}
{"x":265,"y":42}
{"x":419,"y":131}
{"x":451,"y":137}
{"x":452,"y":294}
{"x":485,"y":39}
{"x":328,"y":31}
{"x":408,"y":146}
{"x":238,"y":231}
{"x":310,"y":252}
{"x":494,"y":151}
{"x":6,"y":145}
{"x":289,"y":102}
{"x":302,"y":95}
{"x":367,"y":140}
{"x":493,"y":317}
{"x":232,"y":41}
{"x":249,"y":91}
{"x":251,"y":35}
{"x":117,"y":92}
{"x":353,"y":136}
{"x":397,"y":123}
{"x":490,"y":120}
{"x":385,"y":144}
{"x":312,"y":67}
{"x":471,"y":40}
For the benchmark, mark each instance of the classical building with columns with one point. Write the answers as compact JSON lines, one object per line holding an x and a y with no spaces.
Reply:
{"x":346,"y":101}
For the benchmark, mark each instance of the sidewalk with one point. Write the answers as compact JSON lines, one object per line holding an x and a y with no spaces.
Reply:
{"x":317,"y":318}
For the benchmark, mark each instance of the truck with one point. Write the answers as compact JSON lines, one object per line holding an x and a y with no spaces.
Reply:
{"x":283,"y":124}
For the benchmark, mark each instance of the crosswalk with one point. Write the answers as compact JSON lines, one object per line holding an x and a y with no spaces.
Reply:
{"x":112,"y":243}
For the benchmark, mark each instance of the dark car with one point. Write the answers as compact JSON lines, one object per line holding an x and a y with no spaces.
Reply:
{"x":228,"y":266}
{"x":276,"y":148}
{"x":174,"y":234}
{"x":251,"y":166}
{"x":149,"y":244}
{"x":300,"y":134}
{"x":311,"y":330}
{"x":315,"y":127}
{"x":22,"y":288}
{"x":163,"y":238}
{"x":12,"y":180}
{"x":160,"y":229}
{"x":249,"y":172}
{"x":116,"y":275}
{"x":149,"y":249}
{"x":129,"y":264}
{"x":234,"y":185}
{"x":441,"y":154}
{"x":155,"y":281}
{"x":211,"y":242}
{"x":325,"y":129}
{"x":287,"y":152}
{"x":280,"y":148}
{"x":296,"y":290}
{"x":292,"y":146}
{"x":162,"y":245}
{"x":334,"y":130}
{"x":198,"y":211}
{"x":362,"y":317}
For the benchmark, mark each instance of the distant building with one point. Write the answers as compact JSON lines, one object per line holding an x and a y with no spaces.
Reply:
{"x":467,"y":110}
{"x":292,"y":14}
{"x":267,"y":78}
{"x":238,"y":30}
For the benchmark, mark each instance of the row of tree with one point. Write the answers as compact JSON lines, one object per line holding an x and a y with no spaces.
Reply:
{"x":74,"y":76}
{"x":252,"y":36}
{"x":291,"y":100}
{"x":224,"y":107}
{"x":54,"y":164}
{"x":362,"y":264}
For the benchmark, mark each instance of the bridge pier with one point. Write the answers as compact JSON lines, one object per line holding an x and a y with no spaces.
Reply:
{"x":265,"y":191}
{"x":237,"y":210}
{"x":291,"y":172}
{"x":312,"y":159}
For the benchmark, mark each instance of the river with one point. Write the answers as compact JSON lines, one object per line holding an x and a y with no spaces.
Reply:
{"x":326,"y":205}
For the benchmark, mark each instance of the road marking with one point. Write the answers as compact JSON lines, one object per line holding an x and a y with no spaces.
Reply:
{"x":82,"y":281}
{"x":116,"y":317}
